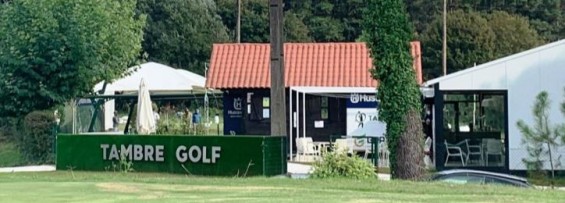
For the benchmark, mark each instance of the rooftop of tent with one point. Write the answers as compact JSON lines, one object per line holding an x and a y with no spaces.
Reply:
{"x":474,"y":75}
{"x":160,"y":79}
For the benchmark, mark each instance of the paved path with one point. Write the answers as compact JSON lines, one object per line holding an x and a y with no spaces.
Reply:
{"x":27,"y":169}
{"x":303,"y":169}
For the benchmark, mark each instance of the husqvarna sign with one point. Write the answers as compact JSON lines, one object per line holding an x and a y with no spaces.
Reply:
{"x":363,"y":116}
{"x":357,"y":97}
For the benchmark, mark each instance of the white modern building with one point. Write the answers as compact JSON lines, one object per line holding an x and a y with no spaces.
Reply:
{"x":475,"y":111}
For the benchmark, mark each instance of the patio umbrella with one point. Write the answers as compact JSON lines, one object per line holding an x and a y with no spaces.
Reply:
{"x":145,"y":118}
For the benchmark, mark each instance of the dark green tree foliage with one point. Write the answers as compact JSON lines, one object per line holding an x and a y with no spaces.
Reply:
{"x":470,"y":41}
{"x":294,"y":28}
{"x":545,"y":16}
{"x":422,"y":12}
{"x":37,"y":141}
{"x":388,"y":34}
{"x":55,"y":50}
{"x":180,"y":33}
{"x":255,"y":21}
{"x":474,"y":38}
{"x":331,"y":21}
{"x":513,"y":33}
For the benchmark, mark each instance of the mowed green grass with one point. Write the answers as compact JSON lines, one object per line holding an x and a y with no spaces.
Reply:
{"x":66,"y":186}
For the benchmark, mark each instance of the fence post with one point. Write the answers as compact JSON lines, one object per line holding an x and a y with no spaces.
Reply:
{"x":375,"y":148}
{"x":54,"y":133}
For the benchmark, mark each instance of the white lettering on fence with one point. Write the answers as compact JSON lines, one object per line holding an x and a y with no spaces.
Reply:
{"x":133,"y":152}
{"x":156,"y":153}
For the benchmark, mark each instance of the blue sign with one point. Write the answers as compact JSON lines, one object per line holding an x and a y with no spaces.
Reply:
{"x":357,"y":100}
{"x":233,"y":114}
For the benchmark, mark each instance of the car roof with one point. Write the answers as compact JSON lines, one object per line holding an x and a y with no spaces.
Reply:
{"x":456,"y":171}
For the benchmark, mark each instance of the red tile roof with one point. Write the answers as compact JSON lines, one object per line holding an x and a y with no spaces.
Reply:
{"x":306,"y":64}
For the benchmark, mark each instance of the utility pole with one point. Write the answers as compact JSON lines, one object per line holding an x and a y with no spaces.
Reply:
{"x":444,"y":48}
{"x":278,"y":106}
{"x":238,"y":25}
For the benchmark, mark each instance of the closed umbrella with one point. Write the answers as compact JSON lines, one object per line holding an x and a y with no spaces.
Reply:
{"x":145,"y":118}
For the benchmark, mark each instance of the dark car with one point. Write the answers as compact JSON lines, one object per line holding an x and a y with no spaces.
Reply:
{"x":465,"y":176}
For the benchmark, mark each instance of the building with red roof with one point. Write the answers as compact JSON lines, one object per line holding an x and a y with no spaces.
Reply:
{"x":321,"y":79}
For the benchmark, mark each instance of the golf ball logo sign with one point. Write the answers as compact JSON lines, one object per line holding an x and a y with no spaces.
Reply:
{"x":155,"y":153}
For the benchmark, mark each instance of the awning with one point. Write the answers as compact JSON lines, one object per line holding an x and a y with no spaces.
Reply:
{"x":309,"y":89}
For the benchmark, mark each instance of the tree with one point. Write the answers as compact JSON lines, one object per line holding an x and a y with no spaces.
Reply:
{"x":55,"y":50}
{"x":545,"y":16}
{"x":294,"y":28}
{"x":513,"y":33}
{"x":330,"y":21}
{"x":542,"y":139}
{"x":422,"y":12}
{"x":255,"y":22}
{"x":180,"y":33}
{"x":470,"y":40}
{"x":388,"y":34}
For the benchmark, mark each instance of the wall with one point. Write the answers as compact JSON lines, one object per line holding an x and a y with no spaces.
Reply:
{"x":253,"y":123}
{"x":524,"y":75}
{"x":196,"y":155}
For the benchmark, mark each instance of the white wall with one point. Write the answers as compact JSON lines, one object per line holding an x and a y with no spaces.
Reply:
{"x":524,"y":75}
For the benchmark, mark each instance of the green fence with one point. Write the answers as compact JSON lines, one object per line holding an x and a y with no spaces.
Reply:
{"x":196,"y":155}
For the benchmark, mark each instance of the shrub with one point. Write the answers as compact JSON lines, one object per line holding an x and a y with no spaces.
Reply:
{"x":338,"y":164}
{"x":9,"y":128}
{"x":37,"y":141}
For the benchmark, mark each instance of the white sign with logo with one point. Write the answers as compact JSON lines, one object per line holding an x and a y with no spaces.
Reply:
{"x":361,"y":98}
{"x":363,"y":116}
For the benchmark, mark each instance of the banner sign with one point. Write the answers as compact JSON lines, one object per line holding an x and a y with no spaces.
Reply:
{"x":196,"y":155}
{"x":357,"y":100}
{"x":363,"y":116}
{"x":233,"y":114}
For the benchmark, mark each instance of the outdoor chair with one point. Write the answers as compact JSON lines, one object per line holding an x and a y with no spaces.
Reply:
{"x":342,"y":146}
{"x":454,"y":150}
{"x":493,"y":148}
{"x":474,"y":150}
{"x":305,"y":147}
{"x":383,"y":155}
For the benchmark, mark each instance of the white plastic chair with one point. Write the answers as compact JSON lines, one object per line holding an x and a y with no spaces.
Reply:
{"x":454,"y":150}
{"x":384,"y":155}
{"x":342,"y":146}
{"x":474,"y":150}
{"x":305,"y":147}
{"x":494,"y":148}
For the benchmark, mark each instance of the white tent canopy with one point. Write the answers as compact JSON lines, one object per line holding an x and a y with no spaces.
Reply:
{"x":159,"y":79}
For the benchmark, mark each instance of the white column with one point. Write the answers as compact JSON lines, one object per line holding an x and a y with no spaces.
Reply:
{"x":291,"y":122}
{"x":433,"y":121}
{"x":304,"y":114}
{"x":297,"y":114}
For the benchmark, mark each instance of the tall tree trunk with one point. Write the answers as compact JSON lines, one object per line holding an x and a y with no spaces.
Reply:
{"x":410,"y":152}
{"x":551,"y":165}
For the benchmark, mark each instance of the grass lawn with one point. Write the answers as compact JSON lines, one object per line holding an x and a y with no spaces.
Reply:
{"x":66,"y":186}
{"x":10,"y":155}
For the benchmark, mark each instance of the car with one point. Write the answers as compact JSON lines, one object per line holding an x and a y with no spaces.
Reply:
{"x":467,"y":176}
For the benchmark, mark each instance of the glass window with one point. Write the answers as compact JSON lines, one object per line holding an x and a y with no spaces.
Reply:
{"x":463,"y":179}
{"x":475,"y":123}
{"x":266,"y":107}
{"x":324,"y":108}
